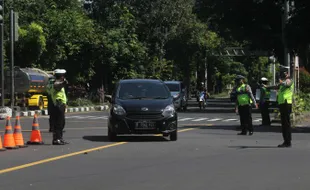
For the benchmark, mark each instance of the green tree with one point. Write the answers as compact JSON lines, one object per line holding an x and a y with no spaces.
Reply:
{"x":32,"y":42}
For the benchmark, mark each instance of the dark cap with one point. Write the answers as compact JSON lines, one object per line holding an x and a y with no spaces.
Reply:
{"x":238,"y":77}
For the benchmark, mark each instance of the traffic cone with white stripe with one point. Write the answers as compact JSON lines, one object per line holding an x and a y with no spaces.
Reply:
{"x":9,"y":141}
{"x":1,"y":146}
{"x":36,"y":138}
{"x":18,"y":136}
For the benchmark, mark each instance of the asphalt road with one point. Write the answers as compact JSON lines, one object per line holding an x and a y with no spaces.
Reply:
{"x":207,"y":155}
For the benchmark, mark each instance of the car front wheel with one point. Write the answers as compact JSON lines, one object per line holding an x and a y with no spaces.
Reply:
{"x":174,"y":136}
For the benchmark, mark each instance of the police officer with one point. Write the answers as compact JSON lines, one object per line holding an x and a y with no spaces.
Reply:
{"x":60,"y":101}
{"x":243,"y":105}
{"x":264,"y":102}
{"x":285,"y":100}
{"x":50,"y":103}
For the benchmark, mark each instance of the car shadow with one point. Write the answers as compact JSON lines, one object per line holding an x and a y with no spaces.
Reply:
{"x":102,"y":138}
{"x":273,"y":128}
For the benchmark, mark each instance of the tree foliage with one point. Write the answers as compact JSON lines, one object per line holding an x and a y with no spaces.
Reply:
{"x":165,"y":39}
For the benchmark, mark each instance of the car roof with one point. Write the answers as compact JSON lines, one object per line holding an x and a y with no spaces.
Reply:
{"x":173,"y":82}
{"x":139,"y":80}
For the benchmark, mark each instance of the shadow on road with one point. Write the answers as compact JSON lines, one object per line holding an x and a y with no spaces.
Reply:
{"x":253,"y":147}
{"x":126,"y":139}
{"x":274,"y":129}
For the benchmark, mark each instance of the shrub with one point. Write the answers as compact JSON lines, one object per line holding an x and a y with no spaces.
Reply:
{"x":80,"y":102}
{"x":304,"y":81}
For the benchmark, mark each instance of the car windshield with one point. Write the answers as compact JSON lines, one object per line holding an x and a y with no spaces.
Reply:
{"x":173,"y":87}
{"x":143,"y":90}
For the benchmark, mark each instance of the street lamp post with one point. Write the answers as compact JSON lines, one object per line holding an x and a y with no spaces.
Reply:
{"x":273,"y":59}
{"x":1,"y":50}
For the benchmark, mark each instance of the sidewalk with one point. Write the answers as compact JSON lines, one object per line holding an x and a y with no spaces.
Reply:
{"x":305,"y":122}
{"x":45,"y":112}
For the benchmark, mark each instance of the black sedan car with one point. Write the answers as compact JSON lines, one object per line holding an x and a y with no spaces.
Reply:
{"x":142,"y":106}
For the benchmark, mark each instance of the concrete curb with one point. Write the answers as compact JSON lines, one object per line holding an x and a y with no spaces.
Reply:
{"x":68,"y":110}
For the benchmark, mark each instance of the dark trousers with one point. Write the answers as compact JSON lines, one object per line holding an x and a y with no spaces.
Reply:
{"x":264,"y":110}
{"x":59,"y":121}
{"x":51,"y":122}
{"x":245,"y":113}
{"x":285,"y":111}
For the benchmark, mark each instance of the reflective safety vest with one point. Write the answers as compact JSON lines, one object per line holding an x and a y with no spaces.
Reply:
{"x":59,"y":95}
{"x":285,"y":94}
{"x":265,"y":93}
{"x":49,"y":88}
{"x":244,"y":98}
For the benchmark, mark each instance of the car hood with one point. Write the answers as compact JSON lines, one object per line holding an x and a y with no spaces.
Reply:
{"x":137,"y":105}
{"x":173,"y":93}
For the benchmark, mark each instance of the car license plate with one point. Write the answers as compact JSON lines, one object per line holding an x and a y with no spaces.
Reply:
{"x":145,"y":125}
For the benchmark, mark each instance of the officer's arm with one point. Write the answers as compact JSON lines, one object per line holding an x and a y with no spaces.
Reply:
{"x":58,"y":85}
{"x":287,"y":83}
{"x":251,"y":94}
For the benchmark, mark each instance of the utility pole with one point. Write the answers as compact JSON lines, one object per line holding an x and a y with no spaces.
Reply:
{"x":13,"y":39}
{"x":284,"y":23}
{"x":12,"y":56}
{"x":1,"y":50}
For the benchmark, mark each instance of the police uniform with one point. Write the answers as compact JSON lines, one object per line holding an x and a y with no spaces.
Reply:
{"x":60,"y":101}
{"x":243,"y":103}
{"x":264,"y":102}
{"x":50,"y":103}
{"x":285,"y":100}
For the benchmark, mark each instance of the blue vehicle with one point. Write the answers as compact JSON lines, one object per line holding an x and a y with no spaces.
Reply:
{"x":179,"y":92}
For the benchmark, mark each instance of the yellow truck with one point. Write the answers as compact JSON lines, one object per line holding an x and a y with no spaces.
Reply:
{"x":30,"y":88}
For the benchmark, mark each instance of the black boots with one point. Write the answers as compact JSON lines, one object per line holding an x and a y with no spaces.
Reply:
{"x":285,"y":145}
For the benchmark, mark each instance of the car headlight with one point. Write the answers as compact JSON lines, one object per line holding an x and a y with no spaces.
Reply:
{"x":119,"y":110}
{"x":168,"y":111}
{"x":176,"y":96}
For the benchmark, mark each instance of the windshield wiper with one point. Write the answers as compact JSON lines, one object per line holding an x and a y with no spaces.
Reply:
{"x":138,"y":98}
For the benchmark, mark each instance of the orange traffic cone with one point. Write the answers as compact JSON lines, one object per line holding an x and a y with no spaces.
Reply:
{"x":1,"y":147}
{"x":9,"y":141}
{"x":18,"y":136}
{"x":35,"y":138}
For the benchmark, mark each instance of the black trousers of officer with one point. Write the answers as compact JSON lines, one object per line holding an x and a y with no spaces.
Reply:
{"x":285,"y":111}
{"x":245,"y":113}
{"x":59,"y":120}
{"x":264,"y":110}
{"x":50,"y":113}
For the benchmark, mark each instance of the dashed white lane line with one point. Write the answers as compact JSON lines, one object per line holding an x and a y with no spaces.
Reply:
{"x":200,"y":119}
{"x":185,"y":119}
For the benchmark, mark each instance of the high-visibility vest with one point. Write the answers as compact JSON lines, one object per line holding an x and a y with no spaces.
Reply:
{"x":59,"y":95}
{"x":243,"y":99}
{"x":285,"y":94}
{"x":265,"y":93}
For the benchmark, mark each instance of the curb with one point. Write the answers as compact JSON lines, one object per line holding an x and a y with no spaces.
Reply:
{"x":45,"y":112}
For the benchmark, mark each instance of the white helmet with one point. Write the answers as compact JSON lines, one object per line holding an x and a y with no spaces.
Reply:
{"x":60,"y":71}
{"x":264,"y":79}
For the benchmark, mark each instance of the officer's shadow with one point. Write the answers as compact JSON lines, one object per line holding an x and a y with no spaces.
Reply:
{"x":274,"y":128}
{"x":252,"y":147}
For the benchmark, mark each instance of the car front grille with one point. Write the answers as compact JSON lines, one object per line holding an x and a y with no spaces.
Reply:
{"x":139,"y":116}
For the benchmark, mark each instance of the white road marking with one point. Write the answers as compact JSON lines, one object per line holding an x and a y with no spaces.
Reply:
{"x":200,"y":119}
{"x":227,"y":120}
{"x":216,"y":119}
{"x":185,"y":119}
{"x":103,"y":117}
